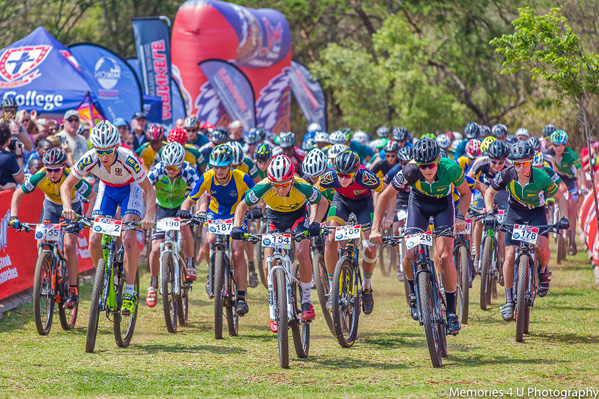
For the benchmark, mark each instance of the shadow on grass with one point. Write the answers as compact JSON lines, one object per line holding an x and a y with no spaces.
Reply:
{"x":338,"y":362}
{"x":173,"y":348}
{"x":568,"y":338}
{"x":473,"y":360}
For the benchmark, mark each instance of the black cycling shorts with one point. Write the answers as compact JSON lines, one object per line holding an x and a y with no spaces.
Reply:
{"x":420,"y":210}
{"x":53,"y":213}
{"x":162,"y":213}
{"x":296,"y":221}
{"x":342,"y":207}
{"x":534,"y":217}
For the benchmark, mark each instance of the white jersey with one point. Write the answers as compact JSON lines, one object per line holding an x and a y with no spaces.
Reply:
{"x":125,"y":169}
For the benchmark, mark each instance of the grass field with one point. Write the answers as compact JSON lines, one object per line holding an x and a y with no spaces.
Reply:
{"x":390,"y":358}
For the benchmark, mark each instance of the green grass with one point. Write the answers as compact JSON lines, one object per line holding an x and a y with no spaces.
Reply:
{"x":390,"y":358}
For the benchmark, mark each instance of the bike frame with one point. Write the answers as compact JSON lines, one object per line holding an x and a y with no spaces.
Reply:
{"x":171,"y":244}
{"x":426,"y":266}
{"x":526,"y":249}
{"x":221,"y":244}
{"x":281,"y":255}
{"x":108,"y":299}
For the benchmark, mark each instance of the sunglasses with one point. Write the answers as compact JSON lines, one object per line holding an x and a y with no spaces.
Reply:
{"x":391,"y":155}
{"x":282,"y":185}
{"x":73,"y":120}
{"x":172,"y":168}
{"x":109,"y":151}
{"x":346,"y":175}
{"x":427,"y":166}
{"x":494,"y":162}
{"x":26,"y":120}
{"x":191,"y":130}
{"x":54,"y":170}
{"x":523,"y":164}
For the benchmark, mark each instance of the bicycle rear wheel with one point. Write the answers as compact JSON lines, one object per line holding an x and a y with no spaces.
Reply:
{"x":125,"y":323}
{"x":183,"y":298}
{"x":431,"y":330}
{"x":463,"y":284}
{"x":346,"y":303}
{"x":231,"y":310}
{"x":521,"y":305}
{"x":321,"y":281}
{"x":169,"y":296}
{"x":282,"y":321}
{"x":68,"y":317}
{"x":219,"y":275}
{"x":486,"y":274}
{"x":94,"y":311}
{"x":43,"y":300}
{"x":300,"y":329}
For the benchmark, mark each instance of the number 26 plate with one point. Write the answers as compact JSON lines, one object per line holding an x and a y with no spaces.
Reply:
{"x":276,"y":240}
{"x":524,"y":233}
{"x":417,"y":239}
{"x":110,"y":227}
{"x":347,"y":232}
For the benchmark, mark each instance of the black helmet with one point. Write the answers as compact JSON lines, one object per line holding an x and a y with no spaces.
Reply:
{"x":471,"y":130}
{"x":263,"y":152}
{"x":521,"y":150}
{"x":499,"y":130}
{"x":548,"y":130}
{"x":406,"y":154}
{"x":260,"y":133}
{"x":510,"y":139}
{"x":498,"y":150}
{"x":426,"y":151}
{"x":399,"y":133}
{"x":55,"y":156}
{"x":484,"y":130}
{"x":534,"y":142}
{"x":347,"y":162}
{"x":220,"y":135}
{"x":382,"y":131}
{"x":392,"y":146}
{"x":191,"y":122}
{"x":9,"y":102}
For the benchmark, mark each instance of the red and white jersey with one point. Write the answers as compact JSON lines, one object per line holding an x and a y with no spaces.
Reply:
{"x":125,"y":169}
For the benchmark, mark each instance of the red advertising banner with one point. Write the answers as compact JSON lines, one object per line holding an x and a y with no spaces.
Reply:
{"x":18,"y":251}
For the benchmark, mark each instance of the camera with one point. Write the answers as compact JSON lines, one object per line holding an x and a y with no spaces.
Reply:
{"x":12,"y":146}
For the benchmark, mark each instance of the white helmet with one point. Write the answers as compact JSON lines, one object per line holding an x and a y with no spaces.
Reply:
{"x":538,"y":160}
{"x":238,"y":154}
{"x":455,"y":143}
{"x":280,"y":169}
{"x":104,"y":135}
{"x":314,"y":127}
{"x":315,"y":163}
{"x":522,"y":132}
{"x":286,"y":139}
{"x":361,"y":137}
{"x":335,"y":150}
{"x":321,"y":137}
{"x":173,"y":154}
{"x":337,"y":137}
{"x":443,"y":141}
{"x":457,"y":136}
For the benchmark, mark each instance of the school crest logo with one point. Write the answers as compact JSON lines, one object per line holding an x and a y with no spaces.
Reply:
{"x":18,"y":66}
{"x":118,"y":171}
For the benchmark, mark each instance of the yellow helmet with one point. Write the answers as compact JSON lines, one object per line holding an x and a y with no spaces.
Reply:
{"x":484,"y":146}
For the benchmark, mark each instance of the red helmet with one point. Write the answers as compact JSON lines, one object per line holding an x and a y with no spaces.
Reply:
{"x":473,"y":149}
{"x":207,"y":126}
{"x":156,"y":132}
{"x":450,"y":135}
{"x":280,"y":169}
{"x":178,"y":134}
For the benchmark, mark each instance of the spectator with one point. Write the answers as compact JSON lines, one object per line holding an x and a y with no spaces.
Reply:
{"x":54,"y":140}
{"x":123,"y":127}
{"x":42,"y":128}
{"x":76,"y":143}
{"x":11,"y":159}
{"x":192,"y":128}
{"x":129,"y":141}
{"x":52,"y":127}
{"x":43,"y":145}
{"x":138,"y":124}
{"x":34,"y":166}
{"x":236,"y":132}
{"x":584,"y":156}
{"x":83,"y":130}
{"x":9,"y":111}
{"x":180,"y":122}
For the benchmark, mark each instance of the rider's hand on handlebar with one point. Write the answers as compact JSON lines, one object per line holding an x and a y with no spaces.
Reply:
{"x":14,"y":222}
{"x":386,"y":223}
{"x":69,"y":214}
{"x":376,"y":237}
{"x":237,"y":233}
{"x":255,"y":214}
{"x":183,"y":214}
{"x":147,"y":223}
{"x":489,"y":219}
{"x":460,"y":225}
{"x":314,"y":229}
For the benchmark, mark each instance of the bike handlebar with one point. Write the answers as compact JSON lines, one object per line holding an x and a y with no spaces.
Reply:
{"x":256,"y":238}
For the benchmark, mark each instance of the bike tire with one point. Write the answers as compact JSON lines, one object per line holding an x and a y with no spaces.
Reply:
{"x":169,"y":296}
{"x":183,"y":298}
{"x":68,"y":317}
{"x":406,"y":288}
{"x":521,"y":304}
{"x":321,"y":281}
{"x":346,"y":305}
{"x":131,"y":320}
{"x":219,"y":270}
{"x":561,"y":248}
{"x":486,"y":272}
{"x":282,"y":321}
{"x":94,"y":311}
{"x":300,"y":329}
{"x":231,"y":310}
{"x":43,"y":301}
{"x":431,"y":330}
{"x":464,"y":284}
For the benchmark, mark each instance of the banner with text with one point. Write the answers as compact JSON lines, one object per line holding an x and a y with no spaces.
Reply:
{"x":309,"y":95}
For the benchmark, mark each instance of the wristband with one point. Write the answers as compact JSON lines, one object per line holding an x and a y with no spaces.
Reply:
{"x":460,"y":216}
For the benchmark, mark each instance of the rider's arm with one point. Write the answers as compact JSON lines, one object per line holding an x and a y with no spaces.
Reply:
{"x":318,"y":210}
{"x":381,"y":206}
{"x":480,"y":187}
{"x":17,"y":196}
{"x":490,"y":198}
{"x":65,"y":193}
{"x":465,"y":198}
{"x":242,"y":207}
{"x":150,"y":201}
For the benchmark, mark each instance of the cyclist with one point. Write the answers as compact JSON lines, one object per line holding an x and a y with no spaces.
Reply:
{"x":444,"y":143}
{"x":361,"y":137}
{"x":219,"y":136}
{"x":171,"y":177}
{"x":499,"y":131}
{"x":528,"y":188}
{"x":522,"y":134}
{"x":195,"y":137}
{"x":147,"y":151}
{"x":471,"y":132}
{"x":546,"y":142}
{"x":49,"y":179}
{"x":539,"y":162}
{"x":243,"y":162}
{"x":192,"y":155}
{"x":568,"y":166}
{"x":288,"y":148}
{"x":430,"y":177}
{"x":354,"y":186}
{"x":321,"y":140}
{"x":308,"y":142}
{"x":472,"y":152}
{"x":123,"y":183}
{"x":313,"y":166}
{"x":380,"y":169}
{"x":335,"y":150}
{"x":382,"y":132}
{"x":251,"y":141}
{"x":262,"y":157}
{"x":286,"y":198}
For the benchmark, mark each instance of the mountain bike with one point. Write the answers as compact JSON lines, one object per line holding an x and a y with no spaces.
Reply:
{"x":525,"y":269}
{"x":284,"y":293}
{"x":462,"y":260}
{"x":51,"y":278}
{"x":321,"y":280}
{"x":109,"y":283}
{"x":491,"y":265}
{"x":347,"y":282}
{"x":391,"y":258}
{"x":174,"y":288}
{"x":430,"y":300}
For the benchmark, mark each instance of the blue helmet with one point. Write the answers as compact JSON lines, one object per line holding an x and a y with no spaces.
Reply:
{"x":221,"y":155}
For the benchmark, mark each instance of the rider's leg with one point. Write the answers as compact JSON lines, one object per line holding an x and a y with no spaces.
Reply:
{"x":131,"y":250}
{"x":508,"y":271}
{"x":70,"y":251}
{"x":542,"y":255}
{"x":444,"y":255}
{"x":477,"y":234}
{"x":95,"y":246}
{"x":208,"y":239}
{"x":369,"y":259}
{"x":237,"y":247}
{"x":305,"y":268}
{"x":187,"y":239}
{"x":331,"y":253}
{"x":155,"y":261}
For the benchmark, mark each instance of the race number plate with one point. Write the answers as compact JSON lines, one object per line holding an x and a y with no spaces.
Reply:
{"x":48,"y":232}
{"x":499,"y":216}
{"x":110,"y":227}
{"x":417,"y":239}
{"x":468,"y":226}
{"x":524,"y":233}
{"x":401,"y":215}
{"x":347,"y":232}
{"x":276,"y":240}
{"x":220,"y":226}
{"x":167,"y":224}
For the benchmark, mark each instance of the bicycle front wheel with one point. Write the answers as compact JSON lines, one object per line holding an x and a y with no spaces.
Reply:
{"x":521,"y":305}
{"x":43,"y":300}
{"x":94,"y":311}
{"x":463,"y":283}
{"x":125,"y":323}
{"x":425,"y":291}
{"x":169,"y":296}
{"x":300,"y":329}
{"x":183,"y":298}
{"x":219,"y":275}
{"x":282,"y":321}
{"x":486,"y":273}
{"x":321,"y":281}
{"x":231,"y":310}
{"x":346,"y":302}
{"x":68,"y":317}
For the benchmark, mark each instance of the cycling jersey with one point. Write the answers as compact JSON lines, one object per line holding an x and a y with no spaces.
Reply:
{"x":296,"y":159}
{"x":363,"y":151}
{"x":381,"y":168}
{"x":364,"y":183}
{"x":327,"y":193}
{"x":532,"y":194}
{"x":482,"y":172}
{"x":465,"y":162}
{"x":171,"y":193}
{"x":125,"y":169}
{"x":223,"y":197}
{"x":249,"y":168}
{"x":301,"y":191}
{"x":567,"y":165}
{"x":402,"y":197}
{"x":52,"y":190}
{"x":147,"y":155}
{"x":448,"y":173}
{"x":192,"y":156}
{"x":554,"y":176}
